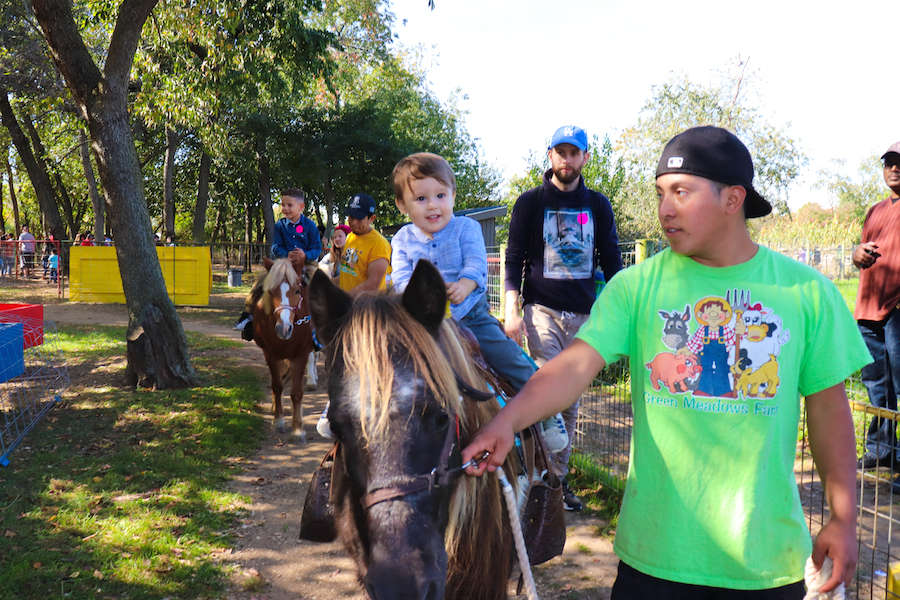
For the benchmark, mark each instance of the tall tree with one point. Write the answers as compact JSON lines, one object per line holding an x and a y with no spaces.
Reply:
{"x":199,"y":228}
{"x":39,"y":177}
{"x":172,"y":142}
{"x":156,"y":346}
{"x":854,"y":193}
{"x":85,"y":152}
{"x":12,"y":197}
{"x":679,"y":104}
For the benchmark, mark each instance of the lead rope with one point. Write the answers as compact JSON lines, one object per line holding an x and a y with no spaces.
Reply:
{"x":815,"y":579}
{"x":513,"y":509}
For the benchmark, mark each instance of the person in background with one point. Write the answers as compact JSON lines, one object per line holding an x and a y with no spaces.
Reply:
{"x":27,"y":244}
{"x":561,"y":234}
{"x":296,"y":238}
{"x":8,"y":254}
{"x":366,"y":261}
{"x":331,"y":262}
{"x":877,"y":315}
{"x":53,"y":265}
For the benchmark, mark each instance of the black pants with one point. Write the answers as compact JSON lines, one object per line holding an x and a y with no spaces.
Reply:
{"x":631,"y":584}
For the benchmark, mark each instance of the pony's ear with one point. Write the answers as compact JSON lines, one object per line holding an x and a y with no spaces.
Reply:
{"x":328,"y":304}
{"x":298,"y":269}
{"x":425,"y":297}
{"x":268,"y":262}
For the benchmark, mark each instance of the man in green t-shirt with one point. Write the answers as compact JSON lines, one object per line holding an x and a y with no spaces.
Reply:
{"x":711,"y":503}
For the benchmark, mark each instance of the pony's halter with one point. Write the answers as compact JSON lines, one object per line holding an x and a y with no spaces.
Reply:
{"x":294,"y":309}
{"x":441,"y":475}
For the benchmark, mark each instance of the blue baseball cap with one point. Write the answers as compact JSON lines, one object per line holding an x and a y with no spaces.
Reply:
{"x":569,"y":134}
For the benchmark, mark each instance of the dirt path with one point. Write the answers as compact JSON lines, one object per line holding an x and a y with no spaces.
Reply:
{"x":272,"y":563}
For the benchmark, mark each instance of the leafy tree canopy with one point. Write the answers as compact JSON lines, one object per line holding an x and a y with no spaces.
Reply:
{"x":680,"y":104}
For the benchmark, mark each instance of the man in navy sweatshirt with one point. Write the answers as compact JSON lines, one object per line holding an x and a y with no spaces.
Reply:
{"x":560,"y":233}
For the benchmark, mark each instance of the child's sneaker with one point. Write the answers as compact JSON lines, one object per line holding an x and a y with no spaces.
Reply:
{"x":555,"y":436}
{"x":570,"y":500}
{"x":324,"y":425}
{"x":243,"y":321}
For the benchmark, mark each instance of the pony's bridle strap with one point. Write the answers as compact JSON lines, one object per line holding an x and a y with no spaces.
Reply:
{"x":294,"y":309}
{"x":468,"y":390}
{"x":440,"y":475}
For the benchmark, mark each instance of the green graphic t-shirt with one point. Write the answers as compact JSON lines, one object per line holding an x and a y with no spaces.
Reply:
{"x":719,"y":359}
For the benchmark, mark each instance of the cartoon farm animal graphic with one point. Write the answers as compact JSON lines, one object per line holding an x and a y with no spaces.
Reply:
{"x":756,"y":354}
{"x":765,"y":335}
{"x":760,"y":382}
{"x":675,"y":329}
{"x":673,"y":371}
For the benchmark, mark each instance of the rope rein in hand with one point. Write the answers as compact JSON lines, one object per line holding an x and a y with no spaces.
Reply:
{"x":513,"y":510}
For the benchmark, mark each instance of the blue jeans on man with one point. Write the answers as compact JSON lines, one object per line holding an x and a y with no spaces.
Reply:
{"x":500,"y":352}
{"x":881,"y":378}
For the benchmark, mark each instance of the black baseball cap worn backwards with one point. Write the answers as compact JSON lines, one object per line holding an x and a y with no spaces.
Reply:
{"x":717,"y":154}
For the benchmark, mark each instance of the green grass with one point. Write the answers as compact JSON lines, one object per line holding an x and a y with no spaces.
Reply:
{"x":600,"y":491}
{"x":121,"y":494}
{"x":848,"y":288}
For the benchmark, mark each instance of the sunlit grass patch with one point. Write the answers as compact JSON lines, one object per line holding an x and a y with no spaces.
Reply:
{"x":122,"y":493}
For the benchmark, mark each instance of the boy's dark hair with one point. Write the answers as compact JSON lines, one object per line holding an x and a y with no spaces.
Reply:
{"x":294,"y":192}
{"x":420,"y":166}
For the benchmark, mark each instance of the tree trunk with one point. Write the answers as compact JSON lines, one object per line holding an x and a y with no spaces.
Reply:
{"x":66,"y":202}
{"x":61,"y":195}
{"x":2,"y":220}
{"x":168,"y":184}
{"x":96,"y":203}
{"x":202,"y":200}
{"x":312,"y":201}
{"x":217,"y":226}
{"x":13,"y":200}
{"x":265,"y":190}
{"x":248,"y":223}
{"x":156,"y":346}
{"x":40,"y":181}
{"x":329,"y":198}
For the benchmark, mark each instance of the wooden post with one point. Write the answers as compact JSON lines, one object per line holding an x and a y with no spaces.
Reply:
{"x":502,"y":280}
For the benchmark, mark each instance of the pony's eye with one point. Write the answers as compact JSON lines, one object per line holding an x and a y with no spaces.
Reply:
{"x":441,"y":420}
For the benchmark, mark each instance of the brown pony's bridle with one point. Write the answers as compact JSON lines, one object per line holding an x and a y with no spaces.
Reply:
{"x":440,"y":475}
{"x":294,"y":309}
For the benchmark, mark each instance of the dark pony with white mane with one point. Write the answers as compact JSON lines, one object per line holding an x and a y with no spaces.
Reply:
{"x":282,"y":328}
{"x":403,"y":390}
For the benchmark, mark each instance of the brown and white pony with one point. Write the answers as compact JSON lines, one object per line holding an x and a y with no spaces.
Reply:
{"x":282,"y":328}
{"x":403,"y":390}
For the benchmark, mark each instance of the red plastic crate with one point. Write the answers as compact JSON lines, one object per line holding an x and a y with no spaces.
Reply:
{"x":31,"y":315}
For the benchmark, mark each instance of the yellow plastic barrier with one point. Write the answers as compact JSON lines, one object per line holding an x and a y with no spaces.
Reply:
{"x":893,"y":581}
{"x":94,"y":274}
{"x":643,"y":249}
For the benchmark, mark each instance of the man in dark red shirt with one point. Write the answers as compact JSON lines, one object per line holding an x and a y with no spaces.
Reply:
{"x":878,"y":258}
